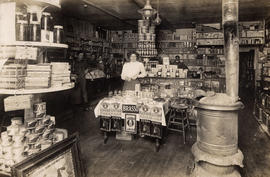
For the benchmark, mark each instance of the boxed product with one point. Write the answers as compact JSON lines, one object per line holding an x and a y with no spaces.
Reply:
{"x":39,"y":67}
{"x":12,"y":76}
{"x":60,"y":67}
{"x":29,"y":53}
{"x":13,"y":103}
{"x":38,"y":74}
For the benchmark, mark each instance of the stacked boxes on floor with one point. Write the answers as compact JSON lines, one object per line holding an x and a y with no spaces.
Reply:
{"x":38,"y":76}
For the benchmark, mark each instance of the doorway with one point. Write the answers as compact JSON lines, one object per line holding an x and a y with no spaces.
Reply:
{"x":246,"y":75}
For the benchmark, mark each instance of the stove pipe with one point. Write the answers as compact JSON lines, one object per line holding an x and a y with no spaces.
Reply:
{"x":231,"y":46}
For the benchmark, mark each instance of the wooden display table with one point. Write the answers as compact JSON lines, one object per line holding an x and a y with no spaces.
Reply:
{"x":145,"y":117}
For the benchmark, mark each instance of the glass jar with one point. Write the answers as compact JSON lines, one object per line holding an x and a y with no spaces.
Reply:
{"x":46,"y":23}
{"x":19,"y":16}
{"x":32,"y":17}
{"x":58,"y":34}
{"x":22,"y":30}
{"x":34,"y":31}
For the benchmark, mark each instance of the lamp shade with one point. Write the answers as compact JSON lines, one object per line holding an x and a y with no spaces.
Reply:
{"x":147,"y":11}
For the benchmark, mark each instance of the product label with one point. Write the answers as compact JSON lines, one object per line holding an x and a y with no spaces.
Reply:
{"x":129,"y":108}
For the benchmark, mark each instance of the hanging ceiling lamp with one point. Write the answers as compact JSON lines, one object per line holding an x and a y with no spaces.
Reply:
{"x":157,"y":21}
{"x":147,"y":11}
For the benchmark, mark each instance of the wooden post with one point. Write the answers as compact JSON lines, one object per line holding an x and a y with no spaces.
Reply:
{"x":231,"y":46}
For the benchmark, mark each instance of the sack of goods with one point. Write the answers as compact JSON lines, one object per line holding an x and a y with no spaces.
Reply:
{"x":12,"y":76}
{"x":38,"y":76}
{"x":60,"y":73}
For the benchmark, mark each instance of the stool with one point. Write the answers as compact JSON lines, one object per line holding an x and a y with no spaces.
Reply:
{"x":178,"y":119}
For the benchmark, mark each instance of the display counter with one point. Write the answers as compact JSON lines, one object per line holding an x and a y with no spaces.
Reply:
{"x":206,"y":84}
{"x":143,"y":116}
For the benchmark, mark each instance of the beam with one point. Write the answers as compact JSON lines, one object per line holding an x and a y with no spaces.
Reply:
{"x":116,"y":16}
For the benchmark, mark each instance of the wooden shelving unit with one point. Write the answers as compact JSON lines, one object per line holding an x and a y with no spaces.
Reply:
{"x":38,"y":6}
{"x":35,"y":91}
{"x":34,"y":44}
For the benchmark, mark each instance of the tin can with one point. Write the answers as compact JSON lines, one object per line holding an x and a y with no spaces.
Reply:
{"x":7,"y":151}
{"x":32,"y":138}
{"x":33,"y":151}
{"x":146,"y":23}
{"x":18,"y":151}
{"x":141,"y":37}
{"x":46,"y":120}
{"x":23,"y":130}
{"x":140,"y":23}
{"x":2,"y":165}
{"x":16,"y":121}
{"x":40,"y":109}
{"x":40,"y":129}
{"x":8,"y":164}
{"x":45,"y":144}
{"x":13,"y":130}
{"x":148,"y":36}
{"x":152,"y":29}
{"x":17,"y":138}
{"x":153,"y":37}
{"x":145,"y":29}
{"x":30,"y":123}
{"x":6,"y":140}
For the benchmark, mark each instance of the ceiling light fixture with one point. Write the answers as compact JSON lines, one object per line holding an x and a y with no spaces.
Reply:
{"x":158,"y":20}
{"x":147,"y":11}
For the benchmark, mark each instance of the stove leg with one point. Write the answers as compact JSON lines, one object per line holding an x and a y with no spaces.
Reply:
{"x":105,"y":137}
{"x":157,"y":145}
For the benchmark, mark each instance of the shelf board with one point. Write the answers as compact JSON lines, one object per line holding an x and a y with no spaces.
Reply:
{"x":189,"y":79}
{"x":250,"y":37}
{"x":209,"y":54}
{"x":172,"y":48}
{"x":34,"y":91}
{"x":34,"y":44}
{"x":124,"y":42}
{"x":145,"y":41}
{"x":179,"y":53}
{"x":177,"y":41}
{"x":2,"y":173}
{"x":217,"y":31}
{"x":41,"y":3}
{"x":208,"y":38}
{"x":207,"y":45}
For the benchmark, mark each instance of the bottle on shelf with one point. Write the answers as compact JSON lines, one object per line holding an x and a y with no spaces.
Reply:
{"x":168,"y":73}
{"x":35,"y":31}
{"x":177,"y":73}
{"x":159,"y":73}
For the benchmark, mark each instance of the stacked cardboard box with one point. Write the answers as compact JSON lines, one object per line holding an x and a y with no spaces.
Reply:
{"x":60,"y":74}
{"x":38,"y":76}
{"x":12,"y":76}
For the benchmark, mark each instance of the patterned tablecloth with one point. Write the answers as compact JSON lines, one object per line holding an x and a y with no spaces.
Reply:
{"x":145,"y":108}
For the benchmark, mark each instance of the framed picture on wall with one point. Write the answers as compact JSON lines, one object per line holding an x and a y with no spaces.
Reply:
{"x":61,"y":159}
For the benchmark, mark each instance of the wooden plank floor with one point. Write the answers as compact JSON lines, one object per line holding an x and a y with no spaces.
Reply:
{"x":138,"y":158}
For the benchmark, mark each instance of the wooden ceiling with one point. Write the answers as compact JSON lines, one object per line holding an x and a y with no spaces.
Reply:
{"x":122,"y":14}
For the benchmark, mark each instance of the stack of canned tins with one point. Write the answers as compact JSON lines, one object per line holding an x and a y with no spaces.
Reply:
{"x":146,"y":39}
{"x":21,"y":140}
